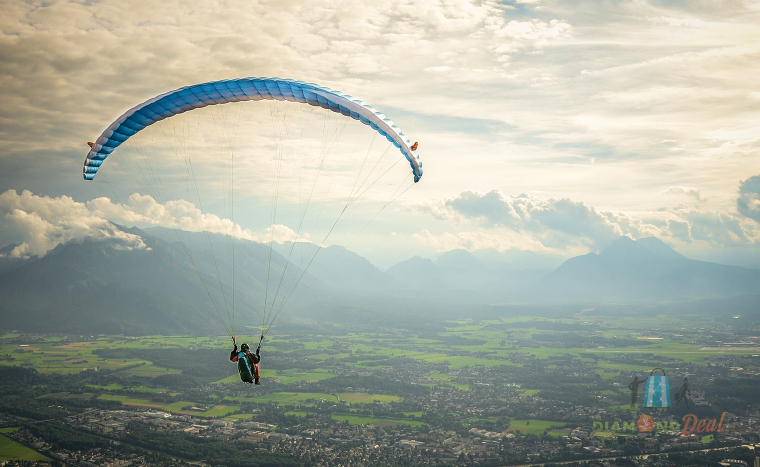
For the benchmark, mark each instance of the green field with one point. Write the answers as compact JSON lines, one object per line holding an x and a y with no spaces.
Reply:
{"x":235,"y":378}
{"x":126,"y":400}
{"x":354,"y":420}
{"x":293,"y":397}
{"x":287,"y":376}
{"x":489,"y":343}
{"x":364,"y":398}
{"x":493,"y":344}
{"x":532,"y":427}
{"x":559,"y":432}
{"x":245,"y":416}
{"x":110,"y":387}
{"x":219,"y":411}
{"x":177,"y":406}
{"x":13,"y":451}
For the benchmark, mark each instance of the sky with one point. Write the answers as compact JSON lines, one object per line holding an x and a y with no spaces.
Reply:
{"x":548,"y":126}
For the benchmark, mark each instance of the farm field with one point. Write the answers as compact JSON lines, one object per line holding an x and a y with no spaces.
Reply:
{"x":516,"y":381}
{"x":10,"y":450}
{"x":219,"y":411}
{"x":357,"y":420}
{"x":532,"y":427}
{"x":53,"y":355}
{"x":455,"y":358}
{"x":360,"y":397}
{"x":126,"y":400}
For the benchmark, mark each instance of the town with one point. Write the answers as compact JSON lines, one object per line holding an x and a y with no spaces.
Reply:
{"x":360,"y":399}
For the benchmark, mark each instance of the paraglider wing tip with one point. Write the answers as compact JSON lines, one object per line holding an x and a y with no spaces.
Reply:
{"x":91,"y":144}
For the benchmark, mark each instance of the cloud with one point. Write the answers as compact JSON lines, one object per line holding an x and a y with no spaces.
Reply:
{"x":184,"y":215}
{"x":717,"y":229}
{"x":581,"y":95}
{"x":688,"y":23}
{"x":493,"y":206}
{"x":748,"y":201}
{"x":537,"y":223}
{"x":683,"y":190}
{"x":58,"y":58}
{"x":542,"y":217}
{"x":437,"y":208}
{"x":37,"y":224}
{"x":535,"y":31}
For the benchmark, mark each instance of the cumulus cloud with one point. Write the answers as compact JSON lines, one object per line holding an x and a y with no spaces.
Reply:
{"x":184,"y":215}
{"x":537,"y":223}
{"x":717,"y":229}
{"x":37,"y":224}
{"x":543,"y":217}
{"x":493,"y":206}
{"x":683,"y":190}
{"x":748,"y":201}
{"x":437,"y":208}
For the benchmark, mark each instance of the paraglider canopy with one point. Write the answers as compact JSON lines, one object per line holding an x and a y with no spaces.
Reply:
{"x":244,"y":89}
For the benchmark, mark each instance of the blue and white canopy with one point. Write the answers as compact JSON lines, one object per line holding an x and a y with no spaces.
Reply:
{"x":236,"y":90}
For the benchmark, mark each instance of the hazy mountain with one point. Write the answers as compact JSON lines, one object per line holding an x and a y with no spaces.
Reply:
{"x":520,"y":259}
{"x":338,"y":267}
{"x":6,"y":260}
{"x":92,"y":286}
{"x":657,"y":247}
{"x":182,"y":282}
{"x":459,"y":275}
{"x":97,"y":286}
{"x":461,"y":260}
{"x":417,"y":273}
{"x":646,"y":269}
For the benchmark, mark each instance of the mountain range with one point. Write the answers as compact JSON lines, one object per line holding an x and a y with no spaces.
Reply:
{"x":642,"y":270}
{"x":182,"y":282}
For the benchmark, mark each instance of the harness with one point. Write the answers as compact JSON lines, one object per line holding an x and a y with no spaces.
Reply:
{"x":244,"y":368}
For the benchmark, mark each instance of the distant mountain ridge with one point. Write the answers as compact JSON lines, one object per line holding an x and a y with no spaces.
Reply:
{"x":338,"y":267}
{"x":459,"y":276}
{"x":645,"y":269}
{"x":95,"y":286}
